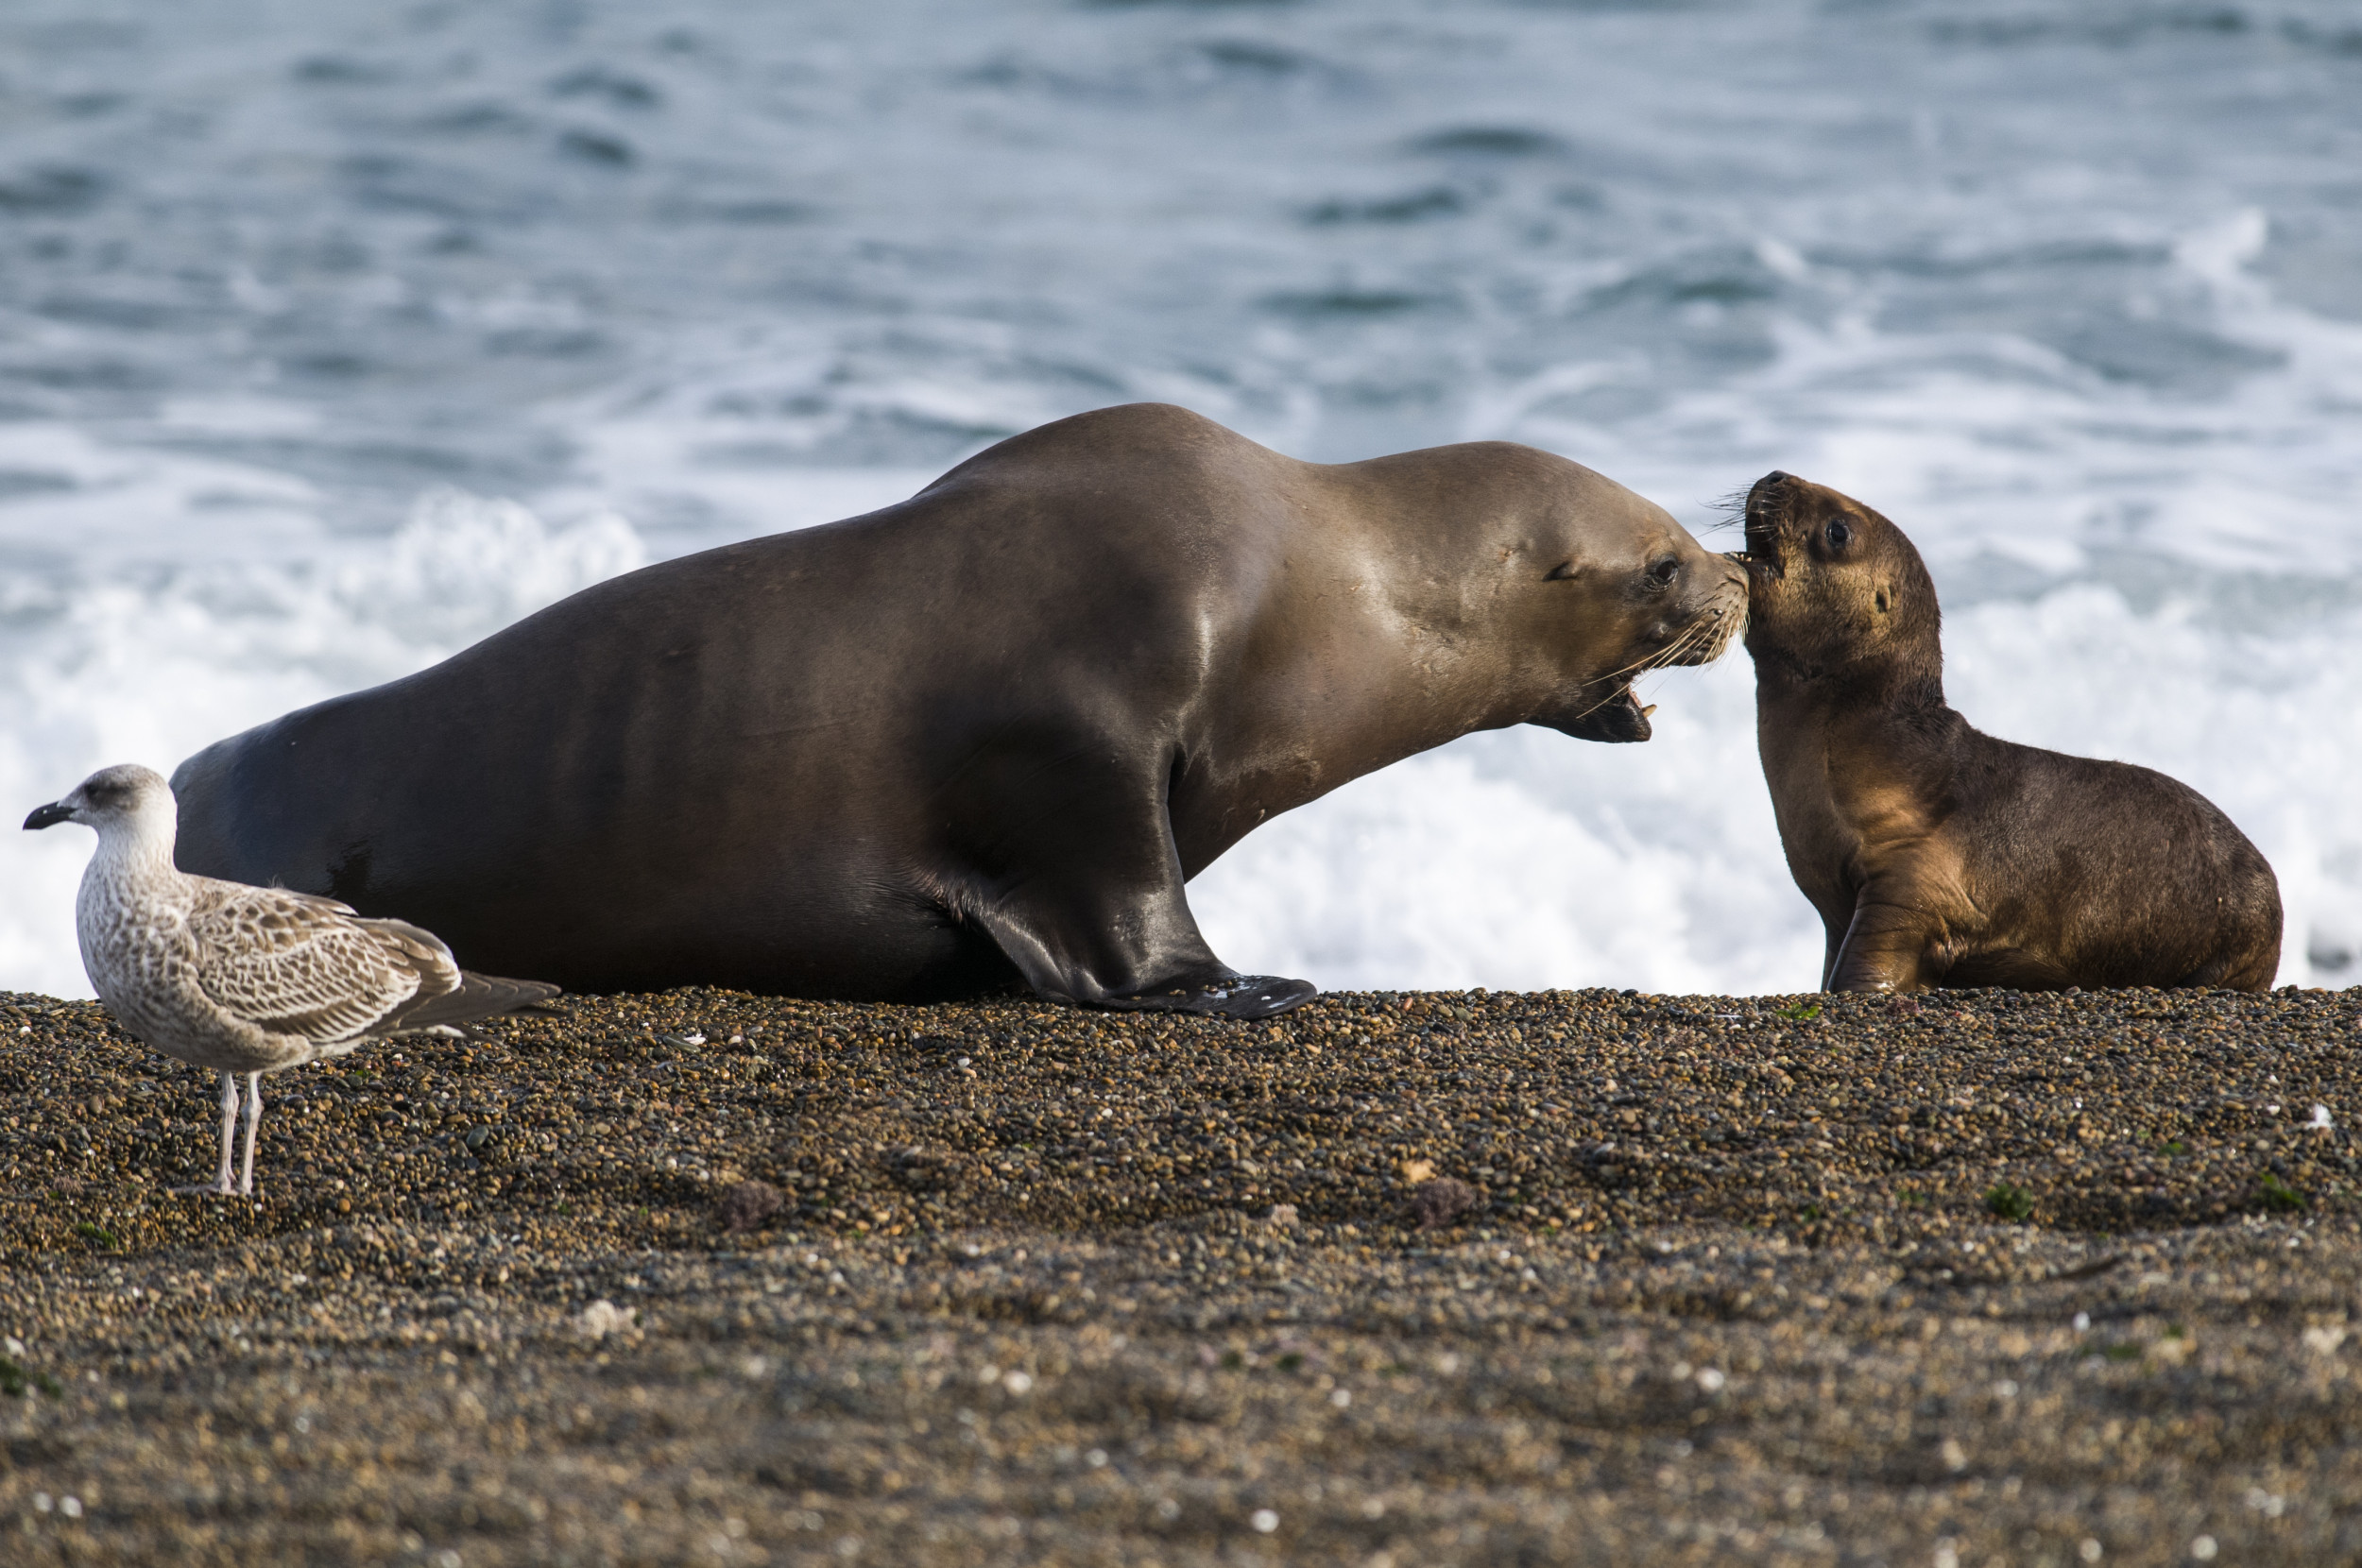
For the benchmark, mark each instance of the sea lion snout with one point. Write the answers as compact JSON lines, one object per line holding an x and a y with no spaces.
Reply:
{"x":1765,"y":510}
{"x":1713,"y":615}
{"x":1783,"y":510}
{"x":1685,"y":608}
{"x":1792,"y":521}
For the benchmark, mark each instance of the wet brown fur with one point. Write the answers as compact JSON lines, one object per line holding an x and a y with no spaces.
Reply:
{"x":1941,"y":857}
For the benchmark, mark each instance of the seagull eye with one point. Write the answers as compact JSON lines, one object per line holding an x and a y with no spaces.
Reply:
{"x":1837,"y":533}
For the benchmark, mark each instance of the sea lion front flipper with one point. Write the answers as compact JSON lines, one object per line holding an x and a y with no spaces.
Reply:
{"x":1239,"y":997}
{"x":1058,"y":962}
{"x":1071,"y":948}
{"x":1885,"y":949}
{"x":1079,"y":883}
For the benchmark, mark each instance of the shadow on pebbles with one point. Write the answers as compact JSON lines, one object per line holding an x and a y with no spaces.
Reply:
{"x":1447,"y":1278}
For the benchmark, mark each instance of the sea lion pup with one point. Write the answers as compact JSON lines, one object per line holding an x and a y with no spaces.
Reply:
{"x":979,"y":737}
{"x":1941,"y":857}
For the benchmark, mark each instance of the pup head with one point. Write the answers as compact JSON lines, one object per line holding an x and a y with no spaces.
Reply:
{"x":1835,"y":591}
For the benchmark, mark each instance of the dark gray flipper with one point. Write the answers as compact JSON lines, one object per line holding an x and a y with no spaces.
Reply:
{"x":1239,"y":996}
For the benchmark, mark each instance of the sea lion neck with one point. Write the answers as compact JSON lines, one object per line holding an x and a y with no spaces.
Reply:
{"x":1907,"y":682}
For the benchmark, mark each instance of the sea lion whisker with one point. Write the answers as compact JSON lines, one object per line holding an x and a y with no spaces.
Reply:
{"x":1657,"y":659}
{"x":1660,"y":660}
{"x":1691,"y":635}
{"x":1734,"y":510}
{"x":1728,"y":623}
{"x":1586,"y":713}
{"x":1621,"y":688}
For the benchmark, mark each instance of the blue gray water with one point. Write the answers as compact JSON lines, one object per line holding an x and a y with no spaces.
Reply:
{"x":333,"y":336}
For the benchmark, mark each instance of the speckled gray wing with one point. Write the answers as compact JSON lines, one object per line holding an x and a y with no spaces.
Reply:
{"x":291,"y":963}
{"x":448,"y":993}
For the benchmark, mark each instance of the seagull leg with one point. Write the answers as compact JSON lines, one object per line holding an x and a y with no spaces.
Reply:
{"x":228,"y":1129}
{"x":222,"y":1186}
{"x":253,"y":1120}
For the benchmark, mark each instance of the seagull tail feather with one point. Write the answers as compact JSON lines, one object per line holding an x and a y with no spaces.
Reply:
{"x":478,"y":996}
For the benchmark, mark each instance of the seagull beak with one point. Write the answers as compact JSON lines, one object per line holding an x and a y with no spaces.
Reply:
{"x":49,"y":815}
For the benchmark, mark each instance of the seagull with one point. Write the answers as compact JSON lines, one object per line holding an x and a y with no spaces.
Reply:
{"x":246,"y":980}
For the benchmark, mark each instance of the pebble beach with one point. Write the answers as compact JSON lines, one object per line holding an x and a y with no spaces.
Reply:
{"x":1397,"y":1279}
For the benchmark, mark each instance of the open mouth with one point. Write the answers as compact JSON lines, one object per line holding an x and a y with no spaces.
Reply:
{"x":1762,"y":556}
{"x":1620,"y":716}
{"x":1628,"y":706}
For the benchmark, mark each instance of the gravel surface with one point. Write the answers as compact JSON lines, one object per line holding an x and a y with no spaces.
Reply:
{"x":1410,"y":1280}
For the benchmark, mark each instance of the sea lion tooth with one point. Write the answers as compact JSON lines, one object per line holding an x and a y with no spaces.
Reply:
{"x":986,"y":735}
{"x":1938,"y":856}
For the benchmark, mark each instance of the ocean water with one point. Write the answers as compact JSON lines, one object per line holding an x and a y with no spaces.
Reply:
{"x":333,"y":336}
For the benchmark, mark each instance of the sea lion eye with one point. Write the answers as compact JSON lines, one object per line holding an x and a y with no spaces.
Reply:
{"x":1837,"y":533}
{"x":1664,"y":570}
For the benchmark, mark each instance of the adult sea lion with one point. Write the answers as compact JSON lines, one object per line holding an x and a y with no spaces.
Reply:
{"x":1941,"y":857}
{"x":982,"y":735}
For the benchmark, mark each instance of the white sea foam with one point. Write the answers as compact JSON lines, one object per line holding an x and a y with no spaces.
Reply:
{"x":148,"y":666}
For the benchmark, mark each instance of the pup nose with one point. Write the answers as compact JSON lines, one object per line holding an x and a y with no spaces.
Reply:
{"x":1761,"y":492}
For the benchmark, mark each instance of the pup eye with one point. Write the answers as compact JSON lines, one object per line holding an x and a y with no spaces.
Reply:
{"x":1837,"y":533}
{"x":1664,"y":572}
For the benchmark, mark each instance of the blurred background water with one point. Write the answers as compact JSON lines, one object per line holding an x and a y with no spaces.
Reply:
{"x":333,"y":336}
